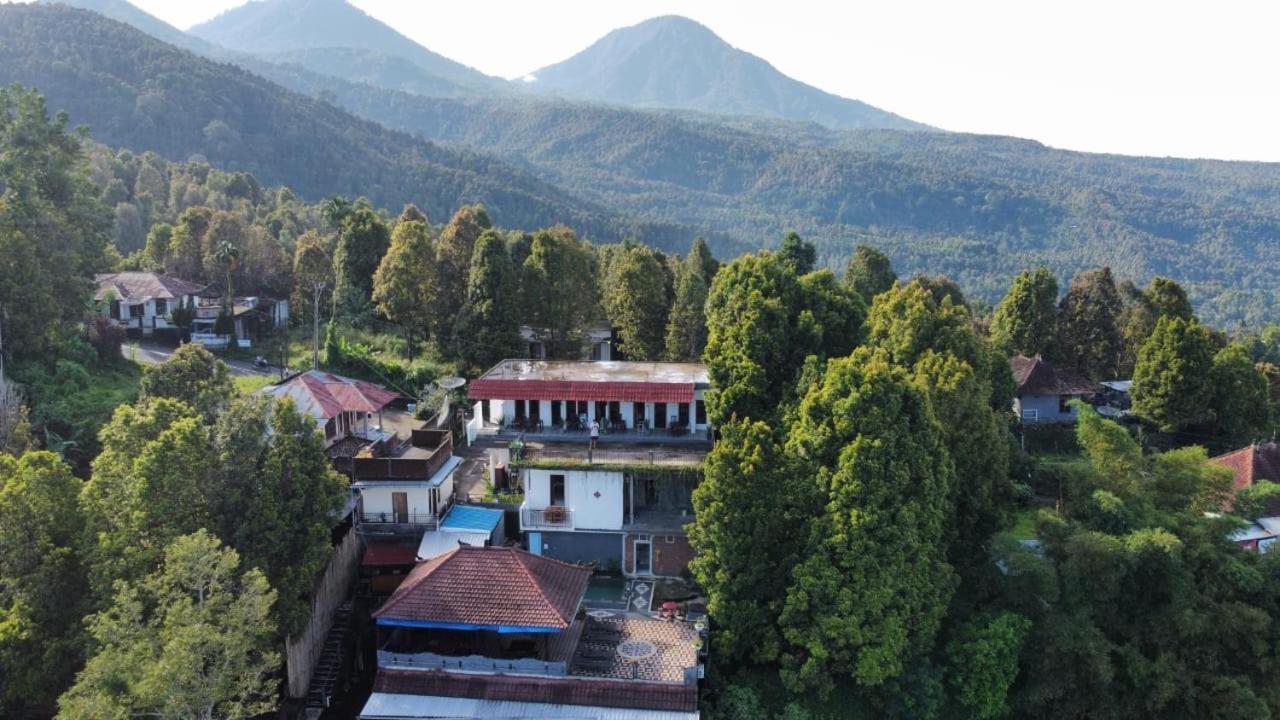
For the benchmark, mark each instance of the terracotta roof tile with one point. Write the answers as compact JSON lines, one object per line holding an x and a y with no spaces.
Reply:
{"x":483,"y":389}
{"x":325,"y":395}
{"x":1035,"y":376}
{"x":1251,"y":464}
{"x":562,"y":691}
{"x":490,"y":586}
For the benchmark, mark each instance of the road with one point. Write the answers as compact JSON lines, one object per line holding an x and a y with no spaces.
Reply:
{"x":153,"y":354}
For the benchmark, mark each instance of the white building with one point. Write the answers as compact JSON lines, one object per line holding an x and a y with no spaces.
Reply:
{"x":546,"y":396}
{"x":624,"y":508}
{"x":597,"y":343}
{"x":143,"y":301}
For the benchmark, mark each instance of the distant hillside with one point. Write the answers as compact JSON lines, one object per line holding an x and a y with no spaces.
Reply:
{"x":375,"y":68}
{"x":674,"y":62}
{"x":269,"y":27}
{"x":136,"y":92}
{"x":128,"y":14}
{"x":978,"y":208}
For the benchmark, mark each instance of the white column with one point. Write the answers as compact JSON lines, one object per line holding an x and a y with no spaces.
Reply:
{"x":544,"y":412}
{"x":591,"y":411}
{"x":629,"y":414}
{"x":649,"y":416}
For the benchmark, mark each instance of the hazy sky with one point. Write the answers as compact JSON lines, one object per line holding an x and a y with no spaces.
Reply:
{"x":1130,"y":76}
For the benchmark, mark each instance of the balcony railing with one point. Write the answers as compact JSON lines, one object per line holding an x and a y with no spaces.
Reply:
{"x":389,"y":520}
{"x":471,"y":663}
{"x":555,"y":516}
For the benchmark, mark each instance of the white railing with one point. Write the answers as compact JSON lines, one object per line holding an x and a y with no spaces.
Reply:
{"x":556,"y":517}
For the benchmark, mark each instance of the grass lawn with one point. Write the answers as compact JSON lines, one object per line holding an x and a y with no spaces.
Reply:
{"x":246,"y":384}
{"x":1024,"y":526}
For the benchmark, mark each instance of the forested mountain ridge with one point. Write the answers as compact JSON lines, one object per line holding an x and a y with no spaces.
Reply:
{"x":978,"y":208}
{"x":674,"y":62}
{"x":281,"y":26}
{"x":136,"y":92}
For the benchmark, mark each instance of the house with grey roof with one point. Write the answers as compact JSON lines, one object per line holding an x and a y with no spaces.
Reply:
{"x":1045,"y":392}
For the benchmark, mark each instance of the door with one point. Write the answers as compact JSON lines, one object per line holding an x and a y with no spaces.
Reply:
{"x":535,"y":543}
{"x":556,"y":415}
{"x":644,"y":556}
{"x":557,"y":490}
{"x":400,"y":506}
{"x":660,"y":415}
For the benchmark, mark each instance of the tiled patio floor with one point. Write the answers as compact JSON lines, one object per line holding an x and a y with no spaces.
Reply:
{"x":663,"y":650}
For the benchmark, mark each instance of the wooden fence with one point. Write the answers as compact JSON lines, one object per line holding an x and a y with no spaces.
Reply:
{"x":303,"y":651}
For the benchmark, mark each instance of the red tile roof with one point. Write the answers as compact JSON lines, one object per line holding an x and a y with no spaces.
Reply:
{"x":325,"y":395}
{"x":1035,"y":376}
{"x":647,"y":392}
{"x":561,"y":691}
{"x":379,"y":552}
{"x":1251,"y":464}
{"x":490,"y":586}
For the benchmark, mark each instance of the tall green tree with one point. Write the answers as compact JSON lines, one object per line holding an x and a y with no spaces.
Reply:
{"x":147,"y":488}
{"x":42,"y":582}
{"x":873,"y":586}
{"x":313,"y":274}
{"x":293,"y":508}
{"x":193,"y":639}
{"x":1241,"y":397}
{"x":687,"y":324}
{"x":185,"y":258}
{"x":701,"y":256}
{"x":800,"y":254}
{"x":747,"y":499}
{"x":1026,"y":321}
{"x":53,"y":230}
{"x":1168,"y":298}
{"x":869,"y":272}
{"x":488,"y":328}
{"x":936,"y":343}
{"x":363,"y":239}
{"x":156,"y":251}
{"x":559,"y":290}
{"x":1088,"y":324}
{"x":453,"y":257}
{"x":982,"y":663}
{"x":1173,"y":378}
{"x":193,"y":375}
{"x":635,"y":303}
{"x":406,"y":283}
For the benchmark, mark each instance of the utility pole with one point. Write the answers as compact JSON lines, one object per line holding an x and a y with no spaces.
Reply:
{"x":315,"y":325}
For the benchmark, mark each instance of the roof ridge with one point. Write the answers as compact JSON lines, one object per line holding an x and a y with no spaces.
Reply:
{"x":524,"y":559}
{"x":402,"y":591}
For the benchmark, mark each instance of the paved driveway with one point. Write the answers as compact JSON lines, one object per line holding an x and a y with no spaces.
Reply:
{"x":149,"y":353}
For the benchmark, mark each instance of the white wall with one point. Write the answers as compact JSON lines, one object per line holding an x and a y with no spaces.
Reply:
{"x":378,"y":499}
{"x":580,"y":488}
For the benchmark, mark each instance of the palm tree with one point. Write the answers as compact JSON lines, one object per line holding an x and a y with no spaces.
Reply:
{"x":227,"y":255}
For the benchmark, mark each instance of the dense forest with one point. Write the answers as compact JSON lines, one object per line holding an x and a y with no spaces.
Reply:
{"x":978,"y":208}
{"x":907,"y":558}
{"x":139,"y":93}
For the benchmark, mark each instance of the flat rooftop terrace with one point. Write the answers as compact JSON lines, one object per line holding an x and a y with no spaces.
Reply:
{"x":617,"y":454}
{"x":599,"y":371}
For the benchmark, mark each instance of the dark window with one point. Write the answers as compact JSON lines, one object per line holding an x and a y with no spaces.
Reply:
{"x":115,"y":309}
{"x":520,"y":410}
{"x":615,"y":411}
{"x":659,"y":415}
{"x":701,"y":413}
{"x":602,"y":410}
{"x":556,"y":418}
{"x":1063,"y":407}
{"x":639,"y":410}
{"x":162,"y":307}
{"x":535,"y":410}
{"x":682,"y":414}
{"x":557,"y":490}
{"x":135,"y":311}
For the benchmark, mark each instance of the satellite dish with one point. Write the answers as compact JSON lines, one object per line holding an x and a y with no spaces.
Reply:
{"x":451,"y":383}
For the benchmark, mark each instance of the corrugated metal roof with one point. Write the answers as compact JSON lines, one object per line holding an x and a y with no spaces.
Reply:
{"x":391,"y":706}
{"x":325,"y":395}
{"x":435,"y":544}
{"x":469,"y":517}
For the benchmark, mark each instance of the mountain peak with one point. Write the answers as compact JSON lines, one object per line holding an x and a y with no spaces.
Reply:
{"x":272,"y":27}
{"x":672,"y":61}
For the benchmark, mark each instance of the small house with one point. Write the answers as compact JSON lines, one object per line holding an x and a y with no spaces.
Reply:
{"x":143,"y":302}
{"x":1045,"y":392}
